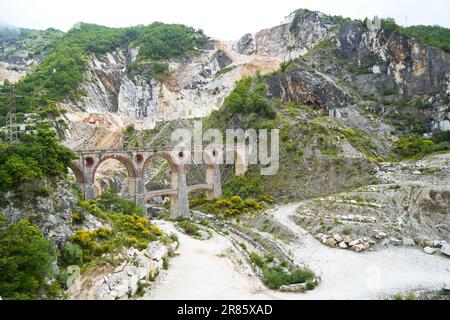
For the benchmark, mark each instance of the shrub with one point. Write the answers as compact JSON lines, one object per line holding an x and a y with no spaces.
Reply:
{"x":71,"y":254}
{"x":347,"y":231}
{"x":127,"y":230}
{"x":227,"y":206}
{"x":257,"y":260}
{"x":244,"y":186}
{"x":189,"y":228}
{"x":389,"y":91}
{"x":26,"y":259}
{"x":110,"y":201}
{"x":166,"y":263}
{"x":301,"y":275}
{"x":249,"y":96}
{"x":24,"y":166}
{"x":414,"y":146}
{"x":275,"y":277}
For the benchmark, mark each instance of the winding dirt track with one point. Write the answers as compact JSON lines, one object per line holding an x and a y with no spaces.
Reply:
{"x":370,"y":275}
{"x":205,"y":271}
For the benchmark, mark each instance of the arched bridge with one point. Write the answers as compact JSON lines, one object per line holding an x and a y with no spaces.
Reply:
{"x":135,"y":162}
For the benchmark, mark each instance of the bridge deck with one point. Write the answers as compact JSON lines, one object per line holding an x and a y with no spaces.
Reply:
{"x":122,"y":151}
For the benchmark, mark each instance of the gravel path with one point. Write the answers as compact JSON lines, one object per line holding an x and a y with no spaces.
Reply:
{"x":370,"y":275}
{"x":206,"y":270}
{"x":211,"y":270}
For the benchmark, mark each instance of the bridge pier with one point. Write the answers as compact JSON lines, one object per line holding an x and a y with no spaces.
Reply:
{"x":140,"y":193}
{"x":89,"y":189}
{"x":213,"y":178}
{"x":180,"y":203}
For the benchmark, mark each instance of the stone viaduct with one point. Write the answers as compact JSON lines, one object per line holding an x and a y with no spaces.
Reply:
{"x":135,"y":162}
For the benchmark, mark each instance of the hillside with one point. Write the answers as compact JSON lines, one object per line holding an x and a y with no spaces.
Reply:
{"x":364,"y":120}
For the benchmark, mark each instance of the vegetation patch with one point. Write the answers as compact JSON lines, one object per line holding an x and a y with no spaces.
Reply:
{"x":124,"y":227}
{"x":227,"y":206}
{"x":275,"y":276}
{"x":415,"y":147}
{"x":26,"y":262}
{"x":24,"y":166}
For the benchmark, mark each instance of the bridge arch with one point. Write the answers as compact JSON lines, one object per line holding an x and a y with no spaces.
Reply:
{"x":78,"y":172}
{"x":126,"y":162}
{"x":164,"y":155}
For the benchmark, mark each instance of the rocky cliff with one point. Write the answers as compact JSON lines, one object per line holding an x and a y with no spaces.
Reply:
{"x":339,"y":64}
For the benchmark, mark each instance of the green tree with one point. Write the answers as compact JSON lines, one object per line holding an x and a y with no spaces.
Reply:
{"x":26,"y":259}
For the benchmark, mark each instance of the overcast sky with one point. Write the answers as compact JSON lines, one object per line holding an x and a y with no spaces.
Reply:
{"x":223,"y":19}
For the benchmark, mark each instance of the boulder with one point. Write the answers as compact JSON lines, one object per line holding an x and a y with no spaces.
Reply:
{"x":157,"y":251}
{"x":301,"y":287}
{"x":408,"y":242}
{"x":445,"y":250}
{"x":429,"y":250}
{"x":331,"y":242}
{"x":347,"y":239}
{"x":380,"y":235}
{"x":319,"y":236}
{"x":133,"y":285}
{"x":120,"y":290}
{"x":438,"y":244}
{"x":355,"y":242}
{"x":102,"y":293}
{"x":142,"y":273}
{"x":395,"y":242}
{"x":337,"y":237}
{"x":358,"y":248}
{"x":343,"y":245}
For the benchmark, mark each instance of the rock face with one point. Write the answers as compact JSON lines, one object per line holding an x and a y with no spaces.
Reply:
{"x":114,"y":88}
{"x":137,"y":268}
{"x":414,"y":68}
{"x":290,"y":40}
{"x":246,"y":45}
{"x":307,"y":87}
{"x":52,"y":215}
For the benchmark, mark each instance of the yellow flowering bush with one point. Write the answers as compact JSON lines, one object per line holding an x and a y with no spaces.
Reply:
{"x":230,"y":206}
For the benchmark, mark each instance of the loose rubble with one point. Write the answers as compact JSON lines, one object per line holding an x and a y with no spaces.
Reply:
{"x":139,"y":268}
{"x":366,"y":243}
